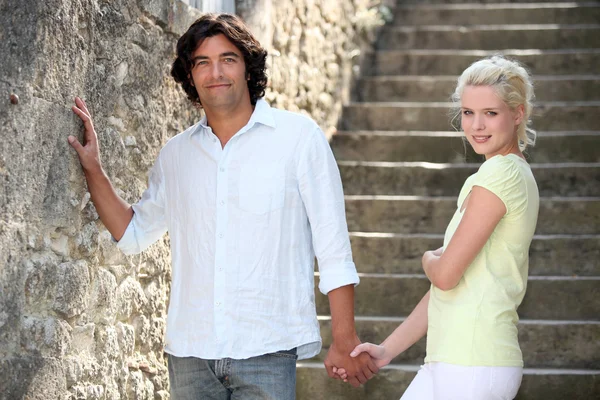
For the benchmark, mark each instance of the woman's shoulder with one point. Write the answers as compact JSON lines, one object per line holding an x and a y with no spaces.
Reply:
{"x":505,"y":177}
{"x":500,"y":168}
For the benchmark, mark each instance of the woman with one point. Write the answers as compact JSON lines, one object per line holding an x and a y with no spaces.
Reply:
{"x":478,"y":278}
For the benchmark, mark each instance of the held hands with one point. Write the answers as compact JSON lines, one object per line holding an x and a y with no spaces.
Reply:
{"x":89,"y":153}
{"x":377,"y":353}
{"x":358,"y":369}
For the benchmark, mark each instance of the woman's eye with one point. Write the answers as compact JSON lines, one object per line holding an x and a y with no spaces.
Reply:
{"x":467,"y":112}
{"x":492,"y":113}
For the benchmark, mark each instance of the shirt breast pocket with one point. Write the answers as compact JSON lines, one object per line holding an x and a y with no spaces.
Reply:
{"x":261,"y":189}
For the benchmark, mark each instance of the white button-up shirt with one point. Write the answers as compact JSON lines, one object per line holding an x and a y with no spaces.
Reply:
{"x":245,"y":223}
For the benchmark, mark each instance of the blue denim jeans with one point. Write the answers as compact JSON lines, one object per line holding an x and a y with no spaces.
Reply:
{"x":267,"y":377}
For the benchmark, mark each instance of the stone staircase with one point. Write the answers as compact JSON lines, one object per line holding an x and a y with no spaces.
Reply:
{"x":402,"y":167}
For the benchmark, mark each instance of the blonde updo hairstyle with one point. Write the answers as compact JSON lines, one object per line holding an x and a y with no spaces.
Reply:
{"x":512,"y":84}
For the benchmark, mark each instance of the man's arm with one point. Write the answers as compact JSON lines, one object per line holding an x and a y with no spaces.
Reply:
{"x":361,"y":368}
{"x":403,"y":337}
{"x":323,"y":197}
{"x":114,"y":212}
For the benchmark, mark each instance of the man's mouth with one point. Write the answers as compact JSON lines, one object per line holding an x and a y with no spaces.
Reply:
{"x":218,"y":85}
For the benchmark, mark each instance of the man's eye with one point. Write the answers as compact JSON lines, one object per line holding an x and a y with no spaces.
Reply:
{"x":229,"y":59}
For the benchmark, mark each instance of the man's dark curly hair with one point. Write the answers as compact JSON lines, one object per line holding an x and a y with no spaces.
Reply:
{"x":255,"y":56}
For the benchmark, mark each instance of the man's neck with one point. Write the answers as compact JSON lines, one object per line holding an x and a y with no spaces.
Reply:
{"x":225,"y":123}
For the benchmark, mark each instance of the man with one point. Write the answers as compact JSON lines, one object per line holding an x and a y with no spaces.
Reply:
{"x":249,"y":195}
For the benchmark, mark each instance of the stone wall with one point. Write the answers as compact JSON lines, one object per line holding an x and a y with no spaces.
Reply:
{"x":316,"y":48}
{"x":77,"y":318}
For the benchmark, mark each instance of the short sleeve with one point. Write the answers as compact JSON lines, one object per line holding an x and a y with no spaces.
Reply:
{"x":502,"y":176}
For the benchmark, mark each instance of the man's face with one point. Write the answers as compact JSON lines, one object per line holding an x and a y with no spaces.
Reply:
{"x":219,"y":74}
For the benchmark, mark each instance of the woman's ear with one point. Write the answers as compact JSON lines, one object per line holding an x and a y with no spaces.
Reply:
{"x":519,"y":114}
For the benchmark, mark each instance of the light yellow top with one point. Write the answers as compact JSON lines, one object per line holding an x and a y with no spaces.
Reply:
{"x":475,"y":323}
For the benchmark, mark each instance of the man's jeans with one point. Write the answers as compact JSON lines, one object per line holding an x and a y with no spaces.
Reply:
{"x":266,"y":377}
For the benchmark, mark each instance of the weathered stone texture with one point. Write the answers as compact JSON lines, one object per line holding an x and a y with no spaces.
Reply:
{"x":78,"y":319}
{"x":316,"y":48}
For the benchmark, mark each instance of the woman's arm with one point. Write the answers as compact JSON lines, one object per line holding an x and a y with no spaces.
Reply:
{"x":408,"y":333}
{"x":481,"y":216}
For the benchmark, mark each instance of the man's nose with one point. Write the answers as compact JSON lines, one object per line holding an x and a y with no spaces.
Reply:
{"x":217,"y":70}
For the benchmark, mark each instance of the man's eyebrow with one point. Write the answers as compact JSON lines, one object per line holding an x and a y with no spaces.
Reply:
{"x":226,"y":54}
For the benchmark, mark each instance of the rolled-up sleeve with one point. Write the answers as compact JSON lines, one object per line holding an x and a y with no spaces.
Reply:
{"x":149,"y":222}
{"x":323,"y":197}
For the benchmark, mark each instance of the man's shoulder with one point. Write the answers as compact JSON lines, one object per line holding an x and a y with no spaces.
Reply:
{"x":291,"y":119}
{"x":179,"y":139}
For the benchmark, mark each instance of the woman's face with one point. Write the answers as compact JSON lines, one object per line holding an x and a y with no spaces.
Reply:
{"x":488,"y":123}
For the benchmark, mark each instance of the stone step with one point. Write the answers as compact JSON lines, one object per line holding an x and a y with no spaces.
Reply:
{"x":440,"y":88}
{"x":449,"y":147}
{"x":514,"y":13}
{"x":431,"y":116}
{"x":419,"y":214}
{"x":453,"y":62}
{"x":547,"y":297}
{"x":538,"y":384}
{"x":544,"y":343}
{"x":482,"y":3}
{"x":490,"y":37}
{"x":434,"y":179}
{"x":394,"y":253}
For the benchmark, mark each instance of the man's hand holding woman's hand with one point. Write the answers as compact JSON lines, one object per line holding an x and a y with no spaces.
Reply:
{"x":358,"y":369}
{"x":377,"y":353}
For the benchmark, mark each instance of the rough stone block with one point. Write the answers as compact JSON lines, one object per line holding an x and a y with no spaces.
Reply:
{"x":83,"y":339}
{"x":103,"y":304}
{"x":126,"y":336}
{"x":32,"y":378}
{"x":50,"y":336}
{"x":130,"y":297}
{"x":107,"y":343}
{"x":110,"y":254}
{"x":72,"y":288}
{"x":87,"y":239}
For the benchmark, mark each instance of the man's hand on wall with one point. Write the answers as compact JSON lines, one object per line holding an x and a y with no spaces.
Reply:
{"x":89,"y":153}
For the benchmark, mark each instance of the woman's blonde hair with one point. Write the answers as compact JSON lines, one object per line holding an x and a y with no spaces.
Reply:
{"x":512,"y":84}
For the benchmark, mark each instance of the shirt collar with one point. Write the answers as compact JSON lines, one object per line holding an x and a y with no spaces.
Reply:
{"x":262,"y":114}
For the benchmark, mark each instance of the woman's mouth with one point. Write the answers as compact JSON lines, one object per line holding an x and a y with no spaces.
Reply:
{"x":481,"y":139}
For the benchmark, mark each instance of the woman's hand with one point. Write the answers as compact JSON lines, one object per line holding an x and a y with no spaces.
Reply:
{"x":377,"y":352}
{"x":429,"y":256}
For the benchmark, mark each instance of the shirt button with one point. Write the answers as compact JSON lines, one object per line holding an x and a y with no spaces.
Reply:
{"x":218,"y":303}
{"x":222,"y":169}
{"x":222,"y":202}
{"x":220,"y":236}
